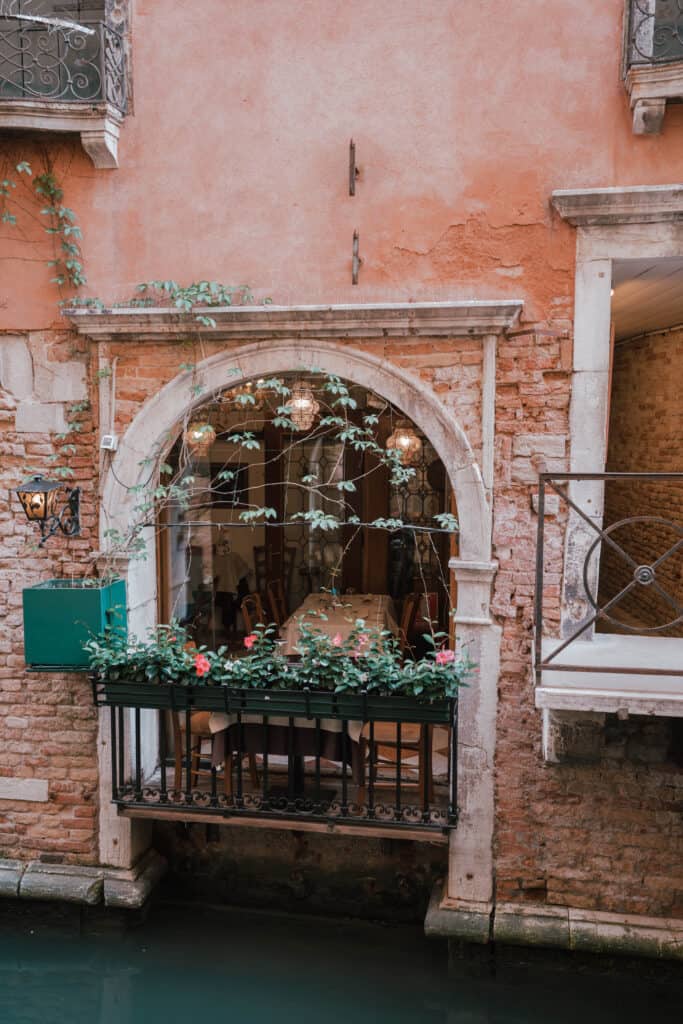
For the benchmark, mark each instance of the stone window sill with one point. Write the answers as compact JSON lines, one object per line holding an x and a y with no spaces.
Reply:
{"x":97,"y":124}
{"x":649,"y":87}
{"x":648,"y":690}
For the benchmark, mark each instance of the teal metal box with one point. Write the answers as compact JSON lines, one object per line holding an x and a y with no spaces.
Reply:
{"x":60,"y":615}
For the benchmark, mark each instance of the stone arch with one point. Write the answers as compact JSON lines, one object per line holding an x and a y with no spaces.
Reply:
{"x":159,"y":418}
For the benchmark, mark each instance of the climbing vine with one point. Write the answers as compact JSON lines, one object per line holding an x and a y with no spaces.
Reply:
{"x":66,"y":262}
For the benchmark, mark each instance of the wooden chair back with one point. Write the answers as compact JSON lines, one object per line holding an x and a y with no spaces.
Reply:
{"x":252,"y":612}
{"x":277,"y":601}
{"x":411,"y":604}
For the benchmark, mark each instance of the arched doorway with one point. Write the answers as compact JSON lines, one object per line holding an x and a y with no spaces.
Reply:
{"x":155,"y":429}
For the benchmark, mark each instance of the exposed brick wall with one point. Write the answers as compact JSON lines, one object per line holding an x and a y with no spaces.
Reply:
{"x":604,"y":835}
{"x":47,"y":722}
{"x":646,"y":427}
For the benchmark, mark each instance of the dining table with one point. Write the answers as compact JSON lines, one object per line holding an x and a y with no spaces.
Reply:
{"x":337,"y":615}
{"x":298,"y":738}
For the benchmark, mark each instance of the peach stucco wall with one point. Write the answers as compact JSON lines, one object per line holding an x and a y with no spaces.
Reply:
{"x":233,"y":165}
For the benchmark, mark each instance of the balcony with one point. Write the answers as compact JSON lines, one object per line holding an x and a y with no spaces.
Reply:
{"x":609,"y":600}
{"x":313,"y":761}
{"x":653,"y":60}
{"x":63,"y":79}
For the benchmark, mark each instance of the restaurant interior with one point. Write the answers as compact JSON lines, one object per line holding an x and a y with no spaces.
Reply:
{"x":244,"y":542}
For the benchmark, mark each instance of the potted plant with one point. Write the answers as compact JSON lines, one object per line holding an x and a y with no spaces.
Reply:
{"x":362,"y":676}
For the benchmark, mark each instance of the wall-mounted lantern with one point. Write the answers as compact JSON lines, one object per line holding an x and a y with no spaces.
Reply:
{"x":39,"y":499}
{"x":405,"y":441}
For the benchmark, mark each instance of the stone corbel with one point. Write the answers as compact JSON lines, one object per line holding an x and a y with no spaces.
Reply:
{"x":474,"y":581}
{"x":649,"y":87}
{"x":101,"y":143}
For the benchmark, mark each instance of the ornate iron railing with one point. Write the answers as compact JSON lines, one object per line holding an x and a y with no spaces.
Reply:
{"x":630,"y":577}
{"x":341,"y":761}
{"x":654,"y":32}
{"x":85,"y":64}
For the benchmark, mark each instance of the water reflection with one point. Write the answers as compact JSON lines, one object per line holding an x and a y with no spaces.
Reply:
{"x":193,"y":966}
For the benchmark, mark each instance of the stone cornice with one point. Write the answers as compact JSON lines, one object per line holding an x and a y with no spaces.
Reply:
{"x":640,"y":204}
{"x":380,"y":320}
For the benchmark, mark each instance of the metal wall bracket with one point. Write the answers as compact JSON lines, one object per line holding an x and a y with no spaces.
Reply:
{"x":353,"y":170}
{"x":355,"y":259}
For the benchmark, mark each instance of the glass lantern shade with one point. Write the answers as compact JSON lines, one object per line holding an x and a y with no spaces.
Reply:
{"x":405,"y":441}
{"x":199,"y":437}
{"x":38,"y":497}
{"x":303,"y":406}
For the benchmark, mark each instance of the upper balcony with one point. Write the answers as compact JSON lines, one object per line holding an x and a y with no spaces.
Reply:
{"x":653,"y":60}
{"x":58,"y":74}
{"x":609,"y":601}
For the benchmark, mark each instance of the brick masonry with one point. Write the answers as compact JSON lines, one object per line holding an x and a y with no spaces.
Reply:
{"x":646,"y":426}
{"x":605,"y":836}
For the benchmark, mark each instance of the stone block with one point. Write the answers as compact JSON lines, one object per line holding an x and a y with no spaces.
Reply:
{"x":33,"y":790}
{"x":40,"y":418}
{"x":61,"y":382}
{"x":626,"y":934}
{"x":462,"y":921}
{"x":10,"y":877}
{"x":550,"y":445}
{"x":16,"y":367}
{"x":519,"y":925}
{"x":133,"y":892}
{"x":551,"y":504}
{"x":69,"y":883}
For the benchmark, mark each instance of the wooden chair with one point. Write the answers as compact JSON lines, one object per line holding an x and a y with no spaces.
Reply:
{"x":379,"y":745}
{"x":252,"y":612}
{"x":379,"y":749}
{"x":199,"y":727}
{"x":261,"y":567}
{"x":411,"y":604}
{"x":277,"y":602}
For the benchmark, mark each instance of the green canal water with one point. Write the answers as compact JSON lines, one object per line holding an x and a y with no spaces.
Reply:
{"x":196,"y":967}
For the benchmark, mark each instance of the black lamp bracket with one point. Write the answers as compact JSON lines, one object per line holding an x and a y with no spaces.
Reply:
{"x":67,"y":520}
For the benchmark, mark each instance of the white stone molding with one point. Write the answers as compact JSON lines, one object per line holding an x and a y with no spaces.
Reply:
{"x":470,"y":873}
{"x":98,"y":124}
{"x":488,"y":412}
{"x":375,"y":320}
{"x":639,"y":204}
{"x":650,"y":87}
{"x":614,"y":224}
{"x":158,"y":421}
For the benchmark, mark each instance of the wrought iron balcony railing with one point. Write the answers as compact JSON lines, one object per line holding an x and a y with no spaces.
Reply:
{"x":626,"y":572}
{"x":337,"y":761}
{"x":654,"y":32}
{"x":84,"y":64}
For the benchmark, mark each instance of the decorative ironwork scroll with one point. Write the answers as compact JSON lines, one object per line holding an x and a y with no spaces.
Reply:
{"x":83,"y":64}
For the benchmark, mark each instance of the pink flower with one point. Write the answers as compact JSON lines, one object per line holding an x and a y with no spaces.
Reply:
{"x":250,"y":640}
{"x":202,"y":664}
{"x":337,"y":640}
{"x":363,"y":639}
{"x":446,"y":657}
